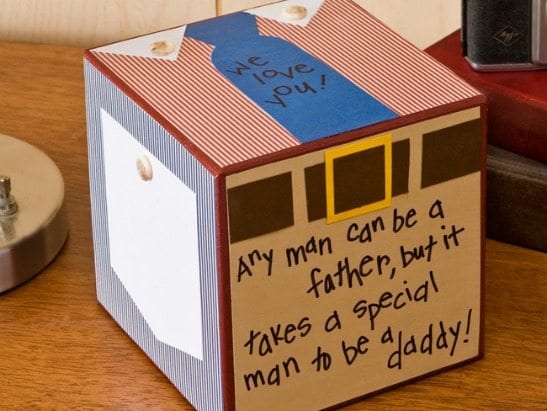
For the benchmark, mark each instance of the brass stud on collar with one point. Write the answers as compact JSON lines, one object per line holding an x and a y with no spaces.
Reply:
{"x":295,"y":12}
{"x":162,"y":48}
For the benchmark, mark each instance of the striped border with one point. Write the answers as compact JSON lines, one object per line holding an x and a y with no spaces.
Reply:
{"x":199,"y":381}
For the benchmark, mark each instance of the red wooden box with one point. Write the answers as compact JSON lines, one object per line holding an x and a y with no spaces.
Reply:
{"x":517,"y":101}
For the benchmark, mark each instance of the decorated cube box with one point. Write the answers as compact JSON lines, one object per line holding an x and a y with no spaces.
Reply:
{"x":287,"y":205}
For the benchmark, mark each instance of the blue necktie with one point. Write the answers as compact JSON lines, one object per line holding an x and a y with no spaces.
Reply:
{"x":306,"y":96}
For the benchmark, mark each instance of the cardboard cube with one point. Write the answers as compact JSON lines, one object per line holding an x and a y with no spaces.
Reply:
{"x":287,"y":205}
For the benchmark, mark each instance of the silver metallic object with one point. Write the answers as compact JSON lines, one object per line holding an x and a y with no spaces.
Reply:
{"x":8,"y":206}
{"x":33,"y":224}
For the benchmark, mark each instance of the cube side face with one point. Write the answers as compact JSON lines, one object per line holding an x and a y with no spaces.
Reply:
{"x":154,"y":232}
{"x":357,"y":267}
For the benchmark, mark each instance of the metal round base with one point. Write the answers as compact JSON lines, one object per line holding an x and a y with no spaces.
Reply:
{"x":33,"y":224}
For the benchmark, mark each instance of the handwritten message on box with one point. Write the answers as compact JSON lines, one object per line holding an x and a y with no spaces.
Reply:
{"x":363,"y":303}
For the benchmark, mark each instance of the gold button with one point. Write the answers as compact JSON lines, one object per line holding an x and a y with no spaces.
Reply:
{"x":295,"y":12}
{"x":162,"y":48}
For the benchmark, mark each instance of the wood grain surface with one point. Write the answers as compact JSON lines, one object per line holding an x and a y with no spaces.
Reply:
{"x":91,"y":23}
{"x":60,"y":350}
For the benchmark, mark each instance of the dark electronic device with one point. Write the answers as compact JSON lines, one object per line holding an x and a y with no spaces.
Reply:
{"x":505,"y":34}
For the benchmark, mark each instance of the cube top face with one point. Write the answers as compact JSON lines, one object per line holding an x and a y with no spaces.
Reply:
{"x":251,"y":84}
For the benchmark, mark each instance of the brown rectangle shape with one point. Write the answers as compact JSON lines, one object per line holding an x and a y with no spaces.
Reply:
{"x":260,"y":207}
{"x":451,"y":152}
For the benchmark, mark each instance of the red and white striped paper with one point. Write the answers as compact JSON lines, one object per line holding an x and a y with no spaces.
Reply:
{"x":227,"y":127}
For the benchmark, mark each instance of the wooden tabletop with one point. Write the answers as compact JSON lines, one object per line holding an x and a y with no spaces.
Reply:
{"x":60,"y":350}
